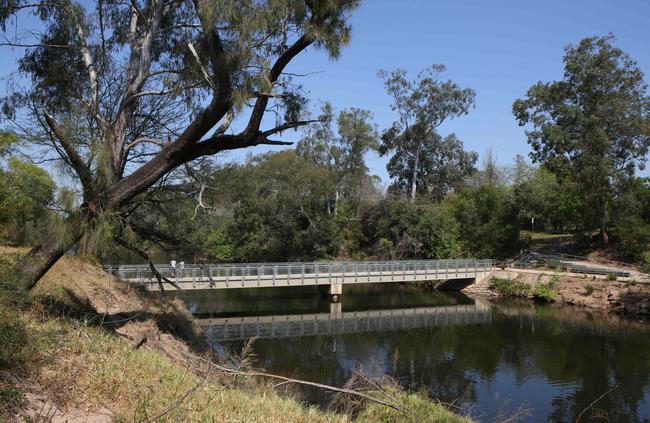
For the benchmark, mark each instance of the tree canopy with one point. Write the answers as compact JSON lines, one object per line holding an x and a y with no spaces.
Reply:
{"x":593,"y":126}
{"x":123,"y":94}
{"x":422,"y":160}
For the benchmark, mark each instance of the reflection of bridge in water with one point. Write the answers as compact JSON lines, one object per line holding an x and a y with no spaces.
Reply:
{"x":337,"y":322}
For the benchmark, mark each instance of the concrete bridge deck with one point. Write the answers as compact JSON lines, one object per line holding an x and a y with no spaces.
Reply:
{"x":337,"y":322}
{"x":334,"y":274}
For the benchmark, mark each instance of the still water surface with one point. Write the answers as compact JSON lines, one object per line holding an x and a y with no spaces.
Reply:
{"x":489,"y":359}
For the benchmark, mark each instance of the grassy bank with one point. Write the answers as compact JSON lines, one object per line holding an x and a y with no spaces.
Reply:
{"x":85,"y":346}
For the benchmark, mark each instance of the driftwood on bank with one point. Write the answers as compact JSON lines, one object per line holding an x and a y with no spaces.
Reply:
{"x":285,"y":379}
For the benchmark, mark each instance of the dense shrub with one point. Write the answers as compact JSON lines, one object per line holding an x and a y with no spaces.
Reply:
{"x":546,"y":292}
{"x":489,"y":221}
{"x":509,"y":288}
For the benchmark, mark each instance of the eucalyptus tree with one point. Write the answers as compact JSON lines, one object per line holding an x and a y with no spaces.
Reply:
{"x":124,"y":93}
{"x":443,"y":166}
{"x":342,"y":151}
{"x":422,"y":105}
{"x":593,"y":126}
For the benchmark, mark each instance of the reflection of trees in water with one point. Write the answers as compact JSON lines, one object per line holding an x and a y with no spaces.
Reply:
{"x":565,"y":346}
{"x":598,"y":351}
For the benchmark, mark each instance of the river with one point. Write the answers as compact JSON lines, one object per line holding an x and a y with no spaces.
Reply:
{"x":488,"y":359}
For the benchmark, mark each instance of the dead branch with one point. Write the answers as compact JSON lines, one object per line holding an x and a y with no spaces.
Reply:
{"x":207,"y":274}
{"x":204,"y":71}
{"x":299,"y":382}
{"x":594,"y":402}
{"x":140,"y":343}
{"x":200,"y":204}
{"x":160,"y":278}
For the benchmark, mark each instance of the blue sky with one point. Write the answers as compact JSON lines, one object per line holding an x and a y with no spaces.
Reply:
{"x":499,"y":48}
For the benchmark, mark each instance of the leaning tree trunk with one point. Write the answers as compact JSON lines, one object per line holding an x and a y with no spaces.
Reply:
{"x":33,"y":265}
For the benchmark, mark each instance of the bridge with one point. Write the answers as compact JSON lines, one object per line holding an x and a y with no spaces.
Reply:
{"x":332,"y":274}
{"x":337,"y":322}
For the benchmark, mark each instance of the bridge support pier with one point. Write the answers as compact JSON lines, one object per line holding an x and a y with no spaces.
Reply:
{"x":481,"y":277}
{"x":336,"y":290}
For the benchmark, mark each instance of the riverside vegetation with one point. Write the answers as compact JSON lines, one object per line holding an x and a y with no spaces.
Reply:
{"x":625,"y":297}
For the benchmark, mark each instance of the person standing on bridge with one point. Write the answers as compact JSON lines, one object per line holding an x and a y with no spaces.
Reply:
{"x":181,"y":268}
{"x":172,"y":264}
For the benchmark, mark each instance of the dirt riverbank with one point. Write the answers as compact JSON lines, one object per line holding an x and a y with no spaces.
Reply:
{"x":628,"y":295}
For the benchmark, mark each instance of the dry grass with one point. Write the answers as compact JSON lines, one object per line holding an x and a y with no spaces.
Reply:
{"x":75,"y":280}
{"x":5,"y":250}
{"x":95,"y":370}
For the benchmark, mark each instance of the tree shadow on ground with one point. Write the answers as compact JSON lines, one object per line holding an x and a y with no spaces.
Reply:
{"x":168,"y":319}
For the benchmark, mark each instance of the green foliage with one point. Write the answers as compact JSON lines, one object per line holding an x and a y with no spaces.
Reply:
{"x":417,"y":409}
{"x":589,"y":289}
{"x":14,"y":340}
{"x":281,"y":213}
{"x":401,"y":230}
{"x":280,"y":207}
{"x":553,"y":203}
{"x":488,"y":219}
{"x":511,"y":288}
{"x":546,"y":292}
{"x":440,"y":233}
{"x":17,"y":344}
{"x":423,"y":161}
{"x":341,"y":153}
{"x":632,"y":236}
{"x":11,"y":399}
{"x":26,"y":191}
{"x":218,"y":246}
{"x":592,"y":126}
{"x":12,"y":295}
{"x":611,"y":277}
{"x":631,"y":282}
{"x":8,"y":142}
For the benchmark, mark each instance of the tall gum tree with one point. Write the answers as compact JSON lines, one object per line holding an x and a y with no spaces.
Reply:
{"x":122,"y":94}
{"x":341,"y":152}
{"x":422,"y":105}
{"x":592,"y":127}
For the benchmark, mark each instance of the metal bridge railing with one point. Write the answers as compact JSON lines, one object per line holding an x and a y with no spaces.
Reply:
{"x":239,"y":271}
